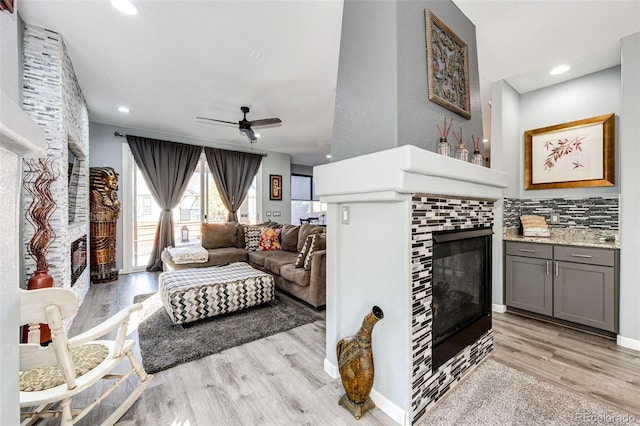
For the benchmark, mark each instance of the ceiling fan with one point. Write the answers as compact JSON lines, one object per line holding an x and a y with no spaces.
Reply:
{"x":245,"y":126}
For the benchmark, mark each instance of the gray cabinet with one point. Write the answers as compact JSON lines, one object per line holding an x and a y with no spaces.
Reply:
{"x":577,"y":284}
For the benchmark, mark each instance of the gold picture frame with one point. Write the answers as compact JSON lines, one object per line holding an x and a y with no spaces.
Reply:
{"x":275,"y":192}
{"x":571,"y":155}
{"x":447,"y":67}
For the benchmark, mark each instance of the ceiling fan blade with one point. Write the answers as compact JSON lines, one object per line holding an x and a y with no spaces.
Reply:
{"x":250,"y":133}
{"x":219,"y":121}
{"x":265,"y":121}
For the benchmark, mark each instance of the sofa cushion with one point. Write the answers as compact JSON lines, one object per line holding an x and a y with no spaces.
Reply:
{"x":216,"y":257}
{"x":299,"y":263}
{"x":289,"y":238}
{"x":296,"y":275}
{"x":318,"y":242}
{"x":240,"y":243}
{"x":218,"y":235}
{"x":258,"y":257}
{"x":305,"y":230}
{"x":269,"y":239}
{"x":274,"y":263}
{"x":252,"y":237}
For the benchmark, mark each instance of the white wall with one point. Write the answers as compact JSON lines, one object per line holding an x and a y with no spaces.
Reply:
{"x":630,"y":194}
{"x":106,"y":151}
{"x":506,"y":139}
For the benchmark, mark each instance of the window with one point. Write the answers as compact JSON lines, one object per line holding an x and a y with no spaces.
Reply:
{"x":200,"y":203}
{"x":304,"y":201}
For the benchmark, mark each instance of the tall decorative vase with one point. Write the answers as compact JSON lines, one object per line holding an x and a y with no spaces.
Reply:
{"x":355,"y":363}
{"x":40,"y":279}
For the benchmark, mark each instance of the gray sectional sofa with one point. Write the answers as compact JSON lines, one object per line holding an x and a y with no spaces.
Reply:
{"x":226,"y":243}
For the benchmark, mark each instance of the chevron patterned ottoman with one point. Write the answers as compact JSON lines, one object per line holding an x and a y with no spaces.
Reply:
{"x":197,"y":293}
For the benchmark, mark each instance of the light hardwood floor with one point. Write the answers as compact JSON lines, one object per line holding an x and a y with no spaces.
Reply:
{"x":279,"y":380}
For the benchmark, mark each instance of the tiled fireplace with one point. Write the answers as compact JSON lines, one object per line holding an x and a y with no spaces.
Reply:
{"x":383,"y":222}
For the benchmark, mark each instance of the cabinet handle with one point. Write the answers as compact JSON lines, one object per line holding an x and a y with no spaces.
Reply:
{"x":527,"y":250}
{"x":586,"y":256}
{"x":548,"y":271}
{"x":556,"y":263}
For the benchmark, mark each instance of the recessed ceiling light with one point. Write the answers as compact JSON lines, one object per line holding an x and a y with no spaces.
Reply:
{"x":257,"y":135}
{"x":328,"y":155}
{"x":559,"y":69}
{"x":123,"y":109}
{"x":485,"y":140}
{"x":124,"y":6}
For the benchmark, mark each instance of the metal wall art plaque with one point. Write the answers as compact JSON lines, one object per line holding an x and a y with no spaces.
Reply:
{"x":447,"y":67}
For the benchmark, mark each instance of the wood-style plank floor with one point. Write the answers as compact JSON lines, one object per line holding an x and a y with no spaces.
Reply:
{"x":279,"y":380}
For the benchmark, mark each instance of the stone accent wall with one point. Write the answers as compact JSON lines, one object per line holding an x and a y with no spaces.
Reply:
{"x":578,"y":213}
{"x":429,"y":214}
{"x":53,"y":98}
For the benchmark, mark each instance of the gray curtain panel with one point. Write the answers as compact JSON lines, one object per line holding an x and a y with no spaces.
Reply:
{"x":167,"y":168}
{"x":233,"y":172}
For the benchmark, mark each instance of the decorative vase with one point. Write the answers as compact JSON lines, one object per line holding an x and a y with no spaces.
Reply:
{"x":40,"y":279}
{"x":444,"y":147}
{"x":355,"y":362}
{"x":462,"y":153}
{"x":477,"y":158}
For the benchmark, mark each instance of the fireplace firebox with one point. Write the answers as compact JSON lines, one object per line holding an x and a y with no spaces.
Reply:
{"x":461,"y":290}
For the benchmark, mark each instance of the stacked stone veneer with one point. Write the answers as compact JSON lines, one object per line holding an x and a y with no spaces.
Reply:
{"x":54,"y":100}
{"x":578,"y":213}
{"x":429,"y":214}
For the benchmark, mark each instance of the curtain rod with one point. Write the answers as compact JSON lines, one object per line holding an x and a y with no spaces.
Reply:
{"x":122,"y":135}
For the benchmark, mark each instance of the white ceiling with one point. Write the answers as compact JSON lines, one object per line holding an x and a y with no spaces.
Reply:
{"x":174,"y":61}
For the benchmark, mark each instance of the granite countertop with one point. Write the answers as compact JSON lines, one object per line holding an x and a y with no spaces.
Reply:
{"x":569,"y":237}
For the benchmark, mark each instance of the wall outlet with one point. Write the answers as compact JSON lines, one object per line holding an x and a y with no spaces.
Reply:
{"x":267,"y":213}
{"x":555,"y":218}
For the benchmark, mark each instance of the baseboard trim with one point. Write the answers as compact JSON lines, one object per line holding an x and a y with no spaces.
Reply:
{"x":501,"y":309}
{"x":390,"y":409}
{"x":628,"y":343}
{"x":331,"y":369}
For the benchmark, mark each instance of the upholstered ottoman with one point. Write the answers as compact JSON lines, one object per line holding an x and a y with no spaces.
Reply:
{"x":197,"y":293}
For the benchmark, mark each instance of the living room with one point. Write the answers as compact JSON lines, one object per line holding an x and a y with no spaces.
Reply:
{"x":512,"y":113}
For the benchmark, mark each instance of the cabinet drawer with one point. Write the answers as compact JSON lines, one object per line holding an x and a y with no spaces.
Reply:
{"x":543,"y":251}
{"x":591,"y":256}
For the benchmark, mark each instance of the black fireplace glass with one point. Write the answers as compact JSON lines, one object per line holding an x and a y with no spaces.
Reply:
{"x":461,"y":282}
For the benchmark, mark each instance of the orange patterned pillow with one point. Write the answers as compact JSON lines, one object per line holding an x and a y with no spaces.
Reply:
{"x":269,"y":239}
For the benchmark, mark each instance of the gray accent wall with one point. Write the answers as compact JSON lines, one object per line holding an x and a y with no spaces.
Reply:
{"x":382,"y":98}
{"x":630,"y":193}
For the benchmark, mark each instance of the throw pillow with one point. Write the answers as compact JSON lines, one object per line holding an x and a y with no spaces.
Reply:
{"x":289,"y":238}
{"x":269,"y":239}
{"x":218,"y":235}
{"x":252,"y":237}
{"x":299,"y":263}
{"x":318,"y":242}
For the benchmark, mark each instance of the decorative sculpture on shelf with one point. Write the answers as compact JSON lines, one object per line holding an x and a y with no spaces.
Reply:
{"x":104,"y":212}
{"x":355,"y":363}
{"x":37,"y":182}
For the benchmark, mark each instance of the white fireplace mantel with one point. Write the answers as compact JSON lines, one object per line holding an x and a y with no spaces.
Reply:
{"x":405,"y":170}
{"x":369,"y":252}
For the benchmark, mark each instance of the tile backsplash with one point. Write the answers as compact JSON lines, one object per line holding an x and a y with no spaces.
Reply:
{"x":579,"y":213}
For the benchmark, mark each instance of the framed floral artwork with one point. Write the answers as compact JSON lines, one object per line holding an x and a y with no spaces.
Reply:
{"x":571,"y":155}
{"x":447,"y":67}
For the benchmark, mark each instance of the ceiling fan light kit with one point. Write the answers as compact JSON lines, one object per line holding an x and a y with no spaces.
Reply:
{"x":246,"y":126}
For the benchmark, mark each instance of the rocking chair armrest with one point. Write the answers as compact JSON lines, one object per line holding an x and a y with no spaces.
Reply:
{"x":117,"y":320}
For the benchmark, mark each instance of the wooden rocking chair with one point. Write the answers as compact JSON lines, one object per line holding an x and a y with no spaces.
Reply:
{"x":68,"y":366}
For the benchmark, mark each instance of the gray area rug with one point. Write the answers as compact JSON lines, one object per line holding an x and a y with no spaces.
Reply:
{"x":164,"y":344}
{"x":496,"y":394}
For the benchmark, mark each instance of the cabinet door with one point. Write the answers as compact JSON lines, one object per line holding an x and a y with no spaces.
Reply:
{"x":529,"y":284}
{"x":585,"y":294}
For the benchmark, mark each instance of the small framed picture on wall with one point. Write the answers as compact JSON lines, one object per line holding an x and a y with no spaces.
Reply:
{"x":275,"y":192}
